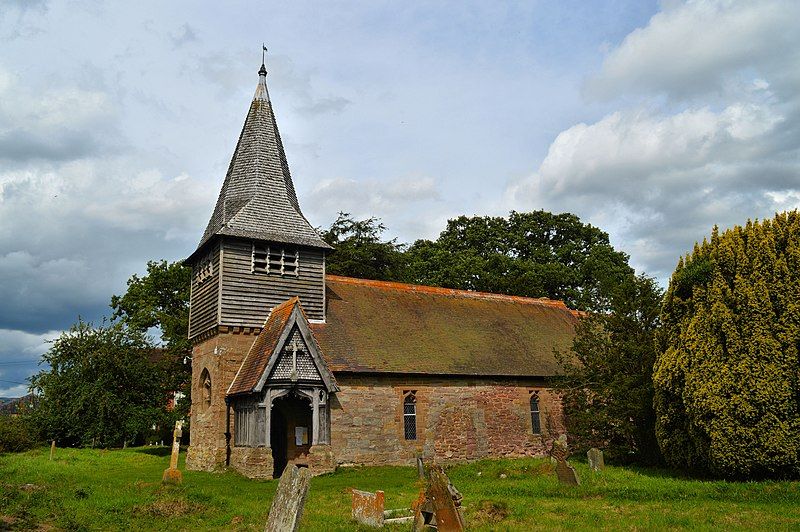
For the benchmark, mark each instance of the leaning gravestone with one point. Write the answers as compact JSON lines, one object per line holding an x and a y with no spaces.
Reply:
{"x":595,"y":457}
{"x":172,"y":475}
{"x":565,"y":472}
{"x":439,"y":504}
{"x":368,"y":508}
{"x":290,"y":498}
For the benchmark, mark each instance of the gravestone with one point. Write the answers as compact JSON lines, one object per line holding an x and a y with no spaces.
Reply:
{"x":559,"y":452}
{"x":368,"y":508}
{"x":52,"y":448}
{"x":172,"y":475}
{"x":420,"y":467}
{"x":595,"y":457}
{"x":289,"y":501}
{"x":439,"y":504}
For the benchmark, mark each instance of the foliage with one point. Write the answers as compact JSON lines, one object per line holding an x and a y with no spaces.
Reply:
{"x":100,"y":388}
{"x":87,"y":489}
{"x":727,"y":377}
{"x":607,"y":383}
{"x":360,"y":252}
{"x":534,"y":254}
{"x":160,"y":299}
{"x":16,"y":434}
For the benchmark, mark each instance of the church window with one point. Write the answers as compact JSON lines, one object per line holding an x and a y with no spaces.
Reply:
{"x":205,"y":390}
{"x":536,"y":425}
{"x":275,"y":260}
{"x":410,"y":415}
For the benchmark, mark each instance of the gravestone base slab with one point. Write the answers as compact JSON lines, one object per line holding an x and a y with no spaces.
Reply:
{"x":172,"y":476}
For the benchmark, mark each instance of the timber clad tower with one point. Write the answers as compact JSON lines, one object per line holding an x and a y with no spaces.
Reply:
{"x":293,"y":366}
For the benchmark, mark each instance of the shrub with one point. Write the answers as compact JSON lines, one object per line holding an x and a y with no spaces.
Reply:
{"x":15,"y":435}
{"x":726,"y":377}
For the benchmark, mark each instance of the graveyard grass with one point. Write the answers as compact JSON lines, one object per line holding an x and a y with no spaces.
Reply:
{"x":121,"y":489}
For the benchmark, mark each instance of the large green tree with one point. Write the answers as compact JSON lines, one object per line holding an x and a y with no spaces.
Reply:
{"x":160,"y":300}
{"x":607,"y":380}
{"x":360,"y":251}
{"x":535,"y":254}
{"x":100,"y":389}
{"x":727,"y":378}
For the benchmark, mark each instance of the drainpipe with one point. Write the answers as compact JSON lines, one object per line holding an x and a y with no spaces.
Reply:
{"x":227,"y":432}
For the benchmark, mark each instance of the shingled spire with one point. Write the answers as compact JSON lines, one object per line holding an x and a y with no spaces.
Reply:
{"x":258,"y":200}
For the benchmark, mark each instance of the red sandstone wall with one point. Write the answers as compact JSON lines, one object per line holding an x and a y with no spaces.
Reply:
{"x":457,"y":419}
{"x":207,"y":423}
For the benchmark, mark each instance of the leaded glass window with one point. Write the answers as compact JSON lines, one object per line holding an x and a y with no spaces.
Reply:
{"x":536,"y":425}
{"x":410,"y":416}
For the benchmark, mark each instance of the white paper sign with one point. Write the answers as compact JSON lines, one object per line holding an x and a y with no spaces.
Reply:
{"x":301,"y":435}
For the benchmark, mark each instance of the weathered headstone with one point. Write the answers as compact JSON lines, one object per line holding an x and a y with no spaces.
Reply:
{"x":420,"y":467}
{"x":559,"y":452}
{"x":439,"y":505}
{"x":289,"y":501}
{"x":52,"y":448}
{"x":368,"y":508}
{"x":172,"y":475}
{"x":595,"y":457}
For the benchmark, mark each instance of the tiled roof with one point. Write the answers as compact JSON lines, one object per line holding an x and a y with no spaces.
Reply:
{"x":257,"y":199}
{"x":376,"y":326}
{"x":256,"y":360}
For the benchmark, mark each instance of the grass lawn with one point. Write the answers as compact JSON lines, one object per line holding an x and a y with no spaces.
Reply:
{"x":121,"y":489}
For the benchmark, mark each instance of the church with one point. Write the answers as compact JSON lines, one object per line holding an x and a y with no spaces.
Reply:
{"x":294,"y":366}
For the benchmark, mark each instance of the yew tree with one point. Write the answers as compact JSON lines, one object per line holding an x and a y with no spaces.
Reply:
{"x":727,"y":377}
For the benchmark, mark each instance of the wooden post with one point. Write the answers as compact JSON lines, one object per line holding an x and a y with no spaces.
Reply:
{"x":52,"y":448}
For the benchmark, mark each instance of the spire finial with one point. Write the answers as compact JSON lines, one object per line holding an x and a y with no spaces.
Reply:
{"x":261,"y":90}
{"x":263,"y":70}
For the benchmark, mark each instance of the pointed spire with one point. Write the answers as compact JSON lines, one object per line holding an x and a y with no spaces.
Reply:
{"x":257,"y":199}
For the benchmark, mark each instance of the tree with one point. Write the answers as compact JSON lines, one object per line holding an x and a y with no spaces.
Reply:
{"x":534,"y":254}
{"x":727,"y":377}
{"x":160,"y":300}
{"x":100,"y":389}
{"x":607,"y":384}
{"x":360,"y":252}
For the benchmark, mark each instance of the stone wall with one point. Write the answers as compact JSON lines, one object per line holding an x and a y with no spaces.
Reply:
{"x":457,"y":419}
{"x":221,"y":355}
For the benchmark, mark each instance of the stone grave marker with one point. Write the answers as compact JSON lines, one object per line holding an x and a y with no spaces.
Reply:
{"x":439,"y":504}
{"x":595,"y":457}
{"x":172,"y":475}
{"x":368,"y":508}
{"x":52,"y":448}
{"x":290,"y":499}
{"x":420,"y":467}
{"x":566,"y":473}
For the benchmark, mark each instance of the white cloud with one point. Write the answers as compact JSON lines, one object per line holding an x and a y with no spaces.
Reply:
{"x":690,"y":48}
{"x":659,"y":174}
{"x":19,"y":356}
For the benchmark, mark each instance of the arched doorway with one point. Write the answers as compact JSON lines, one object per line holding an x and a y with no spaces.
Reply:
{"x":290,"y":431}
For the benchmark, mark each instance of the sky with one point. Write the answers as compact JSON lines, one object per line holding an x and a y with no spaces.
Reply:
{"x":651,"y":120}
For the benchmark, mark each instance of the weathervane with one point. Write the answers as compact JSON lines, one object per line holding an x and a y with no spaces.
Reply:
{"x":263,"y":51}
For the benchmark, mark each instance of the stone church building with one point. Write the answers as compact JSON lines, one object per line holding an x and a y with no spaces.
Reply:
{"x":293,"y":366}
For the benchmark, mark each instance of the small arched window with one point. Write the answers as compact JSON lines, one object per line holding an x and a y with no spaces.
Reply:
{"x":205,"y":388}
{"x":410,"y":415}
{"x":536,"y":425}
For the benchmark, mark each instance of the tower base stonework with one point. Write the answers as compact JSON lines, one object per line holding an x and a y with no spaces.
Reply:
{"x":215,"y":361}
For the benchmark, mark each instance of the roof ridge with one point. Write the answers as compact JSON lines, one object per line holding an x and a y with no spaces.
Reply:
{"x":454,"y":292}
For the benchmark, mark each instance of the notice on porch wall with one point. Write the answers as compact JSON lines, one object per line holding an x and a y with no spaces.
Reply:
{"x":301,"y":435}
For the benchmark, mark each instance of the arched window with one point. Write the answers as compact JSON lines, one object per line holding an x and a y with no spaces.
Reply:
{"x":536,"y":425}
{"x":410,"y":415}
{"x":205,"y":388}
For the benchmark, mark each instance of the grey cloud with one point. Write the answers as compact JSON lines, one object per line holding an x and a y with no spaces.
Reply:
{"x":19,"y":357}
{"x":323,"y":106}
